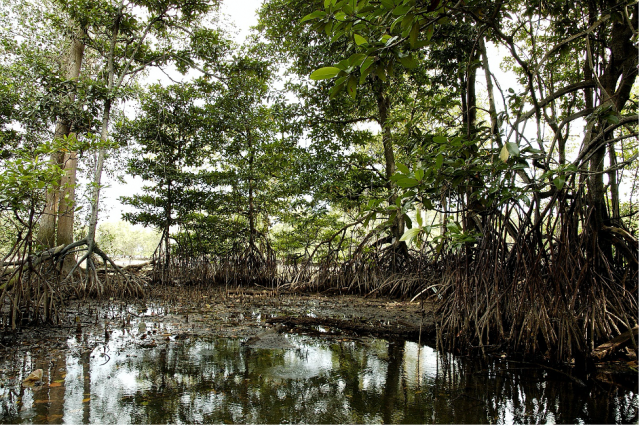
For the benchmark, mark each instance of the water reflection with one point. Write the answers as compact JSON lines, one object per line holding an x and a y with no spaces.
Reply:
{"x":316,"y":381}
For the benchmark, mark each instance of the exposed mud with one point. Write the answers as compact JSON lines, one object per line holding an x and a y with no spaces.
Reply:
{"x":179,"y":313}
{"x":256,"y":316}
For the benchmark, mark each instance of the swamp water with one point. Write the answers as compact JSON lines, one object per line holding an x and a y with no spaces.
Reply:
{"x":126,"y":379}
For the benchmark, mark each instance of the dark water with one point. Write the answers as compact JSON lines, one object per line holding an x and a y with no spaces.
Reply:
{"x":317,"y":381}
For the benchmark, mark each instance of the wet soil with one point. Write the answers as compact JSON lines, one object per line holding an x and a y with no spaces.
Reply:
{"x":176,"y":313}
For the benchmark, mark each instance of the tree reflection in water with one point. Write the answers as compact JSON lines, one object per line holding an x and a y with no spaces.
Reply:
{"x":317,"y":381}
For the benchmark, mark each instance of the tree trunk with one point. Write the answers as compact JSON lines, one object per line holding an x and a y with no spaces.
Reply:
{"x":495,"y":131}
{"x":97,"y":179}
{"x":615,"y":82}
{"x":104,"y":134}
{"x":397,"y":228}
{"x":252,"y":225}
{"x":61,"y":197}
{"x":66,"y":211}
{"x":471,"y":112}
{"x":47,"y":231}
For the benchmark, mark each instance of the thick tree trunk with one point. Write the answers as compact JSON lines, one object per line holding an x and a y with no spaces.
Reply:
{"x":615,"y":83}
{"x":66,"y":211}
{"x":60,"y":198}
{"x":47,"y":231}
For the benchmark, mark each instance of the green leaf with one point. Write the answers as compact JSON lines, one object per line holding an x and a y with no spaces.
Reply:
{"x":343,"y":64}
{"x":404,"y":169}
{"x":407,"y":221}
{"x":440,"y":139}
{"x":513,"y":148}
{"x":613,"y":119}
{"x":359,"y":39}
{"x":393,"y":25}
{"x":407,"y":20}
{"x":413,"y":35}
{"x":336,"y":89}
{"x":328,"y":28}
{"x":356,"y":59}
{"x":401,"y":9}
{"x":352,"y":86}
{"x":419,"y":174}
{"x":429,"y":32}
{"x":427,"y":204}
{"x":367,"y":63}
{"x":453,"y":227}
{"x":314,"y":15}
{"x":388,"y":4}
{"x":324,"y":73}
{"x":381,"y":73}
{"x":439,"y":161}
{"x":407,"y":183}
{"x":408,"y":62}
{"x":410,"y":234}
{"x":559,"y":182}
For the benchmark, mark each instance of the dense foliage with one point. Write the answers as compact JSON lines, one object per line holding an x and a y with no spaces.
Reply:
{"x":480,"y":153}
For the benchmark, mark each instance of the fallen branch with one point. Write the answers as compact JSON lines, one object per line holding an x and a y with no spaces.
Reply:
{"x":612,"y":345}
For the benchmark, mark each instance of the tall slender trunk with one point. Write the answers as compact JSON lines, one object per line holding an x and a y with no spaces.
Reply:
{"x":252,"y":225}
{"x":495,"y":131}
{"x":613,"y":185}
{"x":104,"y":134}
{"x":615,"y":81}
{"x":167,"y":226}
{"x":397,"y":228}
{"x":471,"y":112}
{"x":97,"y":179}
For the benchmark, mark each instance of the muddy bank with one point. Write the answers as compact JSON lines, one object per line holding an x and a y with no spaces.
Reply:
{"x":179,"y":313}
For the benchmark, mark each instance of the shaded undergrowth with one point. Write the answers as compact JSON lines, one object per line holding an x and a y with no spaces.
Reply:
{"x":549,"y":289}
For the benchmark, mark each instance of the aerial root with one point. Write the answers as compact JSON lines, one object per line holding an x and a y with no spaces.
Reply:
{"x":91,"y":284}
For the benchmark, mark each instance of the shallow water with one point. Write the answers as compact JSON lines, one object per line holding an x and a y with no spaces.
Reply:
{"x":316,"y":380}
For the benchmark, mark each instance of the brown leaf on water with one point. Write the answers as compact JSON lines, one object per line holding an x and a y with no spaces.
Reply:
{"x":33,"y":377}
{"x":86,"y":400}
{"x":55,"y":384}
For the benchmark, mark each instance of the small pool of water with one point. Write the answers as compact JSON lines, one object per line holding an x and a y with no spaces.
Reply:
{"x":315,"y":380}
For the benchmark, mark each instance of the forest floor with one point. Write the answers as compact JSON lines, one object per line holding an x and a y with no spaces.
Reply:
{"x":172,"y":314}
{"x":175,"y":313}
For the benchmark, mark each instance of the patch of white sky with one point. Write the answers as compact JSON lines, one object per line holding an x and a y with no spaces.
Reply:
{"x":237,"y":18}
